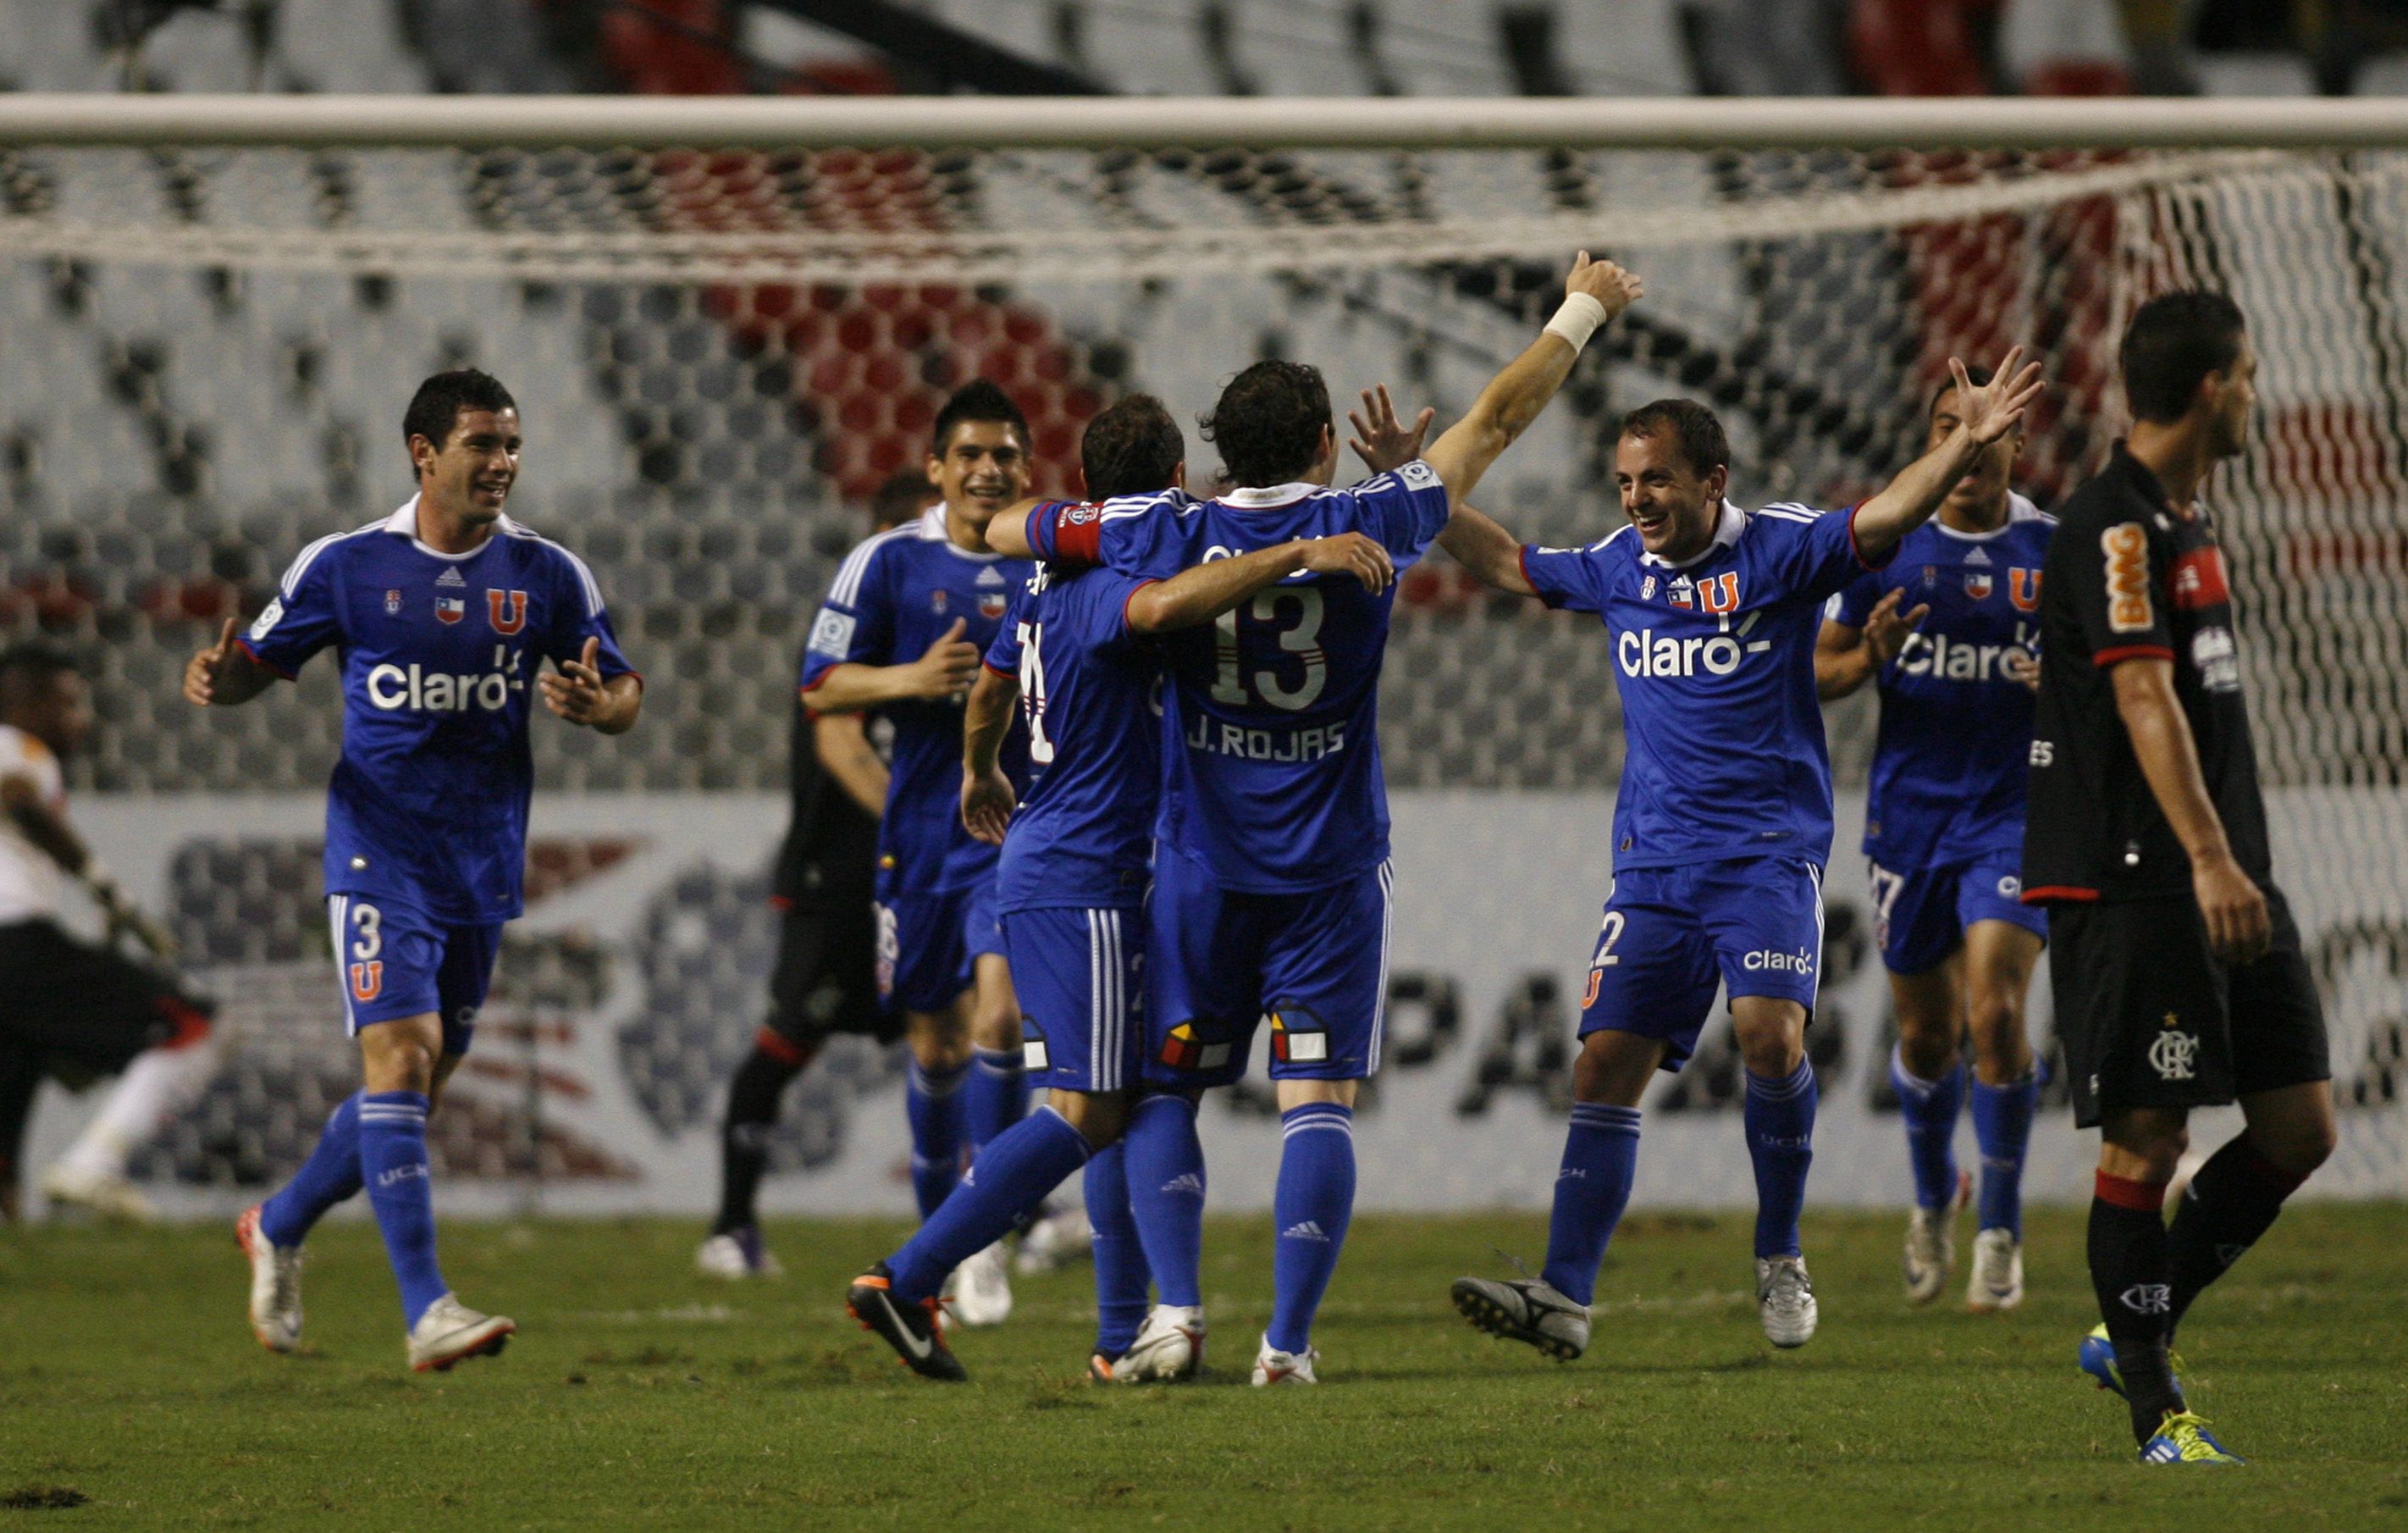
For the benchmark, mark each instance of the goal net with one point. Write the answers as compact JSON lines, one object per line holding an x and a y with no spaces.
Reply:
{"x":722,"y":347}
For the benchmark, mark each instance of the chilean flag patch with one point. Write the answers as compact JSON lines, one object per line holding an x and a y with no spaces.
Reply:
{"x":449,"y":609}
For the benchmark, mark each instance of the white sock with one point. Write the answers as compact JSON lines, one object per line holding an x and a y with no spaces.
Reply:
{"x":157,"y":1085}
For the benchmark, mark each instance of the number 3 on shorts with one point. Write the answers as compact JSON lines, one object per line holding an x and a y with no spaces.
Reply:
{"x":366,"y":969}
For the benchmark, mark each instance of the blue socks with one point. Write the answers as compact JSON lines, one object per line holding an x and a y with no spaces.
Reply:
{"x":1600,"y":1153}
{"x":995,"y":1098}
{"x":329,"y":1175}
{"x":2002,"y":1119}
{"x":1166,"y":1193}
{"x":392,"y":1163}
{"x":932,"y":1101}
{"x":1121,"y":1279}
{"x":1929,"y":1108}
{"x":1023,"y":1163}
{"x":1311,"y":1210}
{"x":1780,"y":1118}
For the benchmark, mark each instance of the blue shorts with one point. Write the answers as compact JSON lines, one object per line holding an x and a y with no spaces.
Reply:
{"x":1081,"y":976}
{"x":395,"y":961}
{"x":1315,"y":965}
{"x":928,"y":945}
{"x":1921,"y":914}
{"x":1754,"y":926}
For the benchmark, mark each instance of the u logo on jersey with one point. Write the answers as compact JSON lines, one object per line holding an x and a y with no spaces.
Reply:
{"x":2023,"y":588}
{"x":1719,"y":594}
{"x":506,"y":609}
{"x":367,"y":980}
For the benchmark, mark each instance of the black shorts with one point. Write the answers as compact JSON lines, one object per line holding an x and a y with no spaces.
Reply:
{"x":2150,"y":1018}
{"x":826,"y":974}
{"x":85,"y":1010}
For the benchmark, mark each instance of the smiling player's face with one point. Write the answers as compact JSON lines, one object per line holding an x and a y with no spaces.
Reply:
{"x":1670,"y":503}
{"x":469,"y":476}
{"x":984,"y":469}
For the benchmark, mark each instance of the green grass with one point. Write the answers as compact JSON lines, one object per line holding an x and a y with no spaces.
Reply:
{"x":640,"y":1395}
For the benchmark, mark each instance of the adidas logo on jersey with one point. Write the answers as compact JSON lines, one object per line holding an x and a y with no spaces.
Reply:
{"x":1187,"y":1182}
{"x":1310,"y":1230}
{"x":1975,"y":556}
{"x":988,"y":577}
{"x":451,"y":576}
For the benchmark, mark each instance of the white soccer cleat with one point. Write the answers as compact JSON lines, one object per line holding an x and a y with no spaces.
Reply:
{"x":1527,"y":1309}
{"x":275,"y":1285}
{"x":1930,"y":1253}
{"x":1170,"y":1348}
{"x":1273,"y":1368}
{"x":982,"y":1288}
{"x":450,"y":1331}
{"x":1055,"y":1240}
{"x":1784,"y":1296}
{"x":735,"y":1255}
{"x":1997,"y":1278}
{"x":98,"y":1192}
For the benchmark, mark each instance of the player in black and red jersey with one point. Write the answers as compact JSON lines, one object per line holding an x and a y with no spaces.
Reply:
{"x":2178,"y":973}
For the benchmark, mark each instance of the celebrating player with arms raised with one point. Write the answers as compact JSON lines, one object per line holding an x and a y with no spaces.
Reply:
{"x":1270,"y":876}
{"x":1723,"y":823}
{"x":1944,"y":828}
{"x":2179,"y":977}
{"x":440,"y":614}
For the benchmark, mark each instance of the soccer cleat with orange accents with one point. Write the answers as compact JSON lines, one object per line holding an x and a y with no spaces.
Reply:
{"x":912,"y":1329}
{"x":275,"y":1285}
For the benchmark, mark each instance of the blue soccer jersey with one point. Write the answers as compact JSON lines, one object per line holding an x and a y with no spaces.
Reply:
{"x":1089,"y":689}
{"x":1956,"y":724}
{"x":1714,"y":660}
{"x":894,"y":595}
{"x":428,"y":803}
{"x":1272,"y":776}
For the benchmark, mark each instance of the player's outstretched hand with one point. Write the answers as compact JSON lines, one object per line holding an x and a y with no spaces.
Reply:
{"x":948,"y":666}
{"x":1994,"y":409}
{"x":1351,"y":554}
{"x":574,"y":690}
{"x":1885,"y":630}
{"x":201,"y":672}
{"x":987,"y":804}
{"x":1380,"y":440}
{"x":2234,"y":908}
{"x":1607,"y":283}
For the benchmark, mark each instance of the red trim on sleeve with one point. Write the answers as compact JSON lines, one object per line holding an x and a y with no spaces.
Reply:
{"x":785,"y":1050}
{"x":1076,"y":542}
{"x":2073,"y":893}
{"x":2121,"y":652}
{"x":244,"y":645}
{"x":1523,"y":558}
{"x":1128,"y":627}
{"x":1858,"y":550}
{"x":779,"y":901}
{"x":997,"y":670}
{"x":2146,"y":1197}
{"x":812,"y":685}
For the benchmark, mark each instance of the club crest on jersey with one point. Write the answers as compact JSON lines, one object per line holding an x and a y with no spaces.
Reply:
{"x":449,"y":609}
{"x":1682,"y":593}
{"x":1647,"y":589}
{"x":940,"y":600}
{"x":2023,"y":588}
{"x":1931,"y":574}
{"x":393,"y":603}
{"x":1979,"y":585}
{"x":1719,"y":594}
{"x":507,"y":610}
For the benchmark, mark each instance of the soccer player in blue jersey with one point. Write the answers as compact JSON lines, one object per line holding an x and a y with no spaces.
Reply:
{"x":1724,"y":819}
{"x":1944,"y":833}
{"x":1271,"y":884}
{"x":440,"y":614}
{"x":908,"y":617}
{"x":1076,"y":651}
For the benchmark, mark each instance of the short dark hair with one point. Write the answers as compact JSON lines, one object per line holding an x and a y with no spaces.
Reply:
{"x":1975,"y":374}
{"x":435,"y":409}
{"x":29,"y":664}
{"x":979,"y":399}
{"x":2171,"y":345}
{"x":901,"y":497}
{"x":1132,"y":448}
{"x":1692,"y":427}
{"x":1268,"y":423}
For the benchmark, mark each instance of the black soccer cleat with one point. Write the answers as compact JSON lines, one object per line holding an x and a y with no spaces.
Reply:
{"x":911,"y":1329}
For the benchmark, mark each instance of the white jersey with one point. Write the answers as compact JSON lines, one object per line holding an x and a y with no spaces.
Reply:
{"x":29,"y":880}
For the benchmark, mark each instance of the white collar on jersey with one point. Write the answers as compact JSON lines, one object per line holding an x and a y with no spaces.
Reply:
{"x":405,"y":522}
{"x":931,"y":526}
{"x":1258,"y":497}
{"x":1727,"y":526}
{"x":2019,"y":509}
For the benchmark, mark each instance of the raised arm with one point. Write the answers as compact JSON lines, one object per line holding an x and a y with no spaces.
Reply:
{"x":1493,"y":554}
{"x":1847,"y":656}
{"x":1984,"y":415}
{"x":1008,"y":533}
{"x":224,"y":674}
{"x":944,"y":669}
{"x":1593,"y":292}
{"x":841,"y":741}
{"x":2229,"y":899}
{"x":1205,"y":592}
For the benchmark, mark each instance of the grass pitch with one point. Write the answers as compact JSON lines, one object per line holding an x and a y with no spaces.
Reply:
{"x":638,"y":1394}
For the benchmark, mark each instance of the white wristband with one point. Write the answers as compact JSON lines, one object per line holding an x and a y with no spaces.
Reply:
{"x":1577,"y":320}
